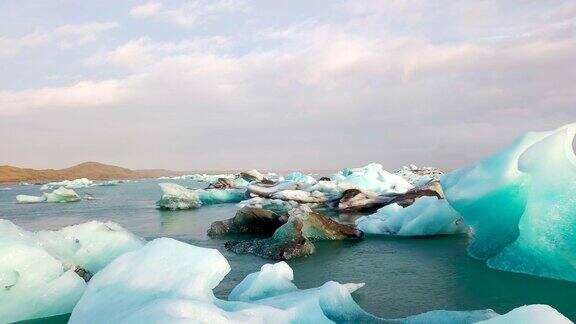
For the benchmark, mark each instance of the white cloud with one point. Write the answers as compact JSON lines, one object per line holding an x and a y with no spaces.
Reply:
{"x":189,"y":13}
{"x":80,"y":95}
{"x":65,"y":36}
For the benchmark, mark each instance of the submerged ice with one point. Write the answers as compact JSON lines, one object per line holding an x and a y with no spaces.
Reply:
{"x":44,"y":273}
{"x":520,"y":204}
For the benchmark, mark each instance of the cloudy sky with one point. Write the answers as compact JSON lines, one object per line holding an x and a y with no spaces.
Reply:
{"x":280,"y":84}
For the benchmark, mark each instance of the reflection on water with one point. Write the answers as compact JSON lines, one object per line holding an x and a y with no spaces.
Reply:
{"x":402,"y":276}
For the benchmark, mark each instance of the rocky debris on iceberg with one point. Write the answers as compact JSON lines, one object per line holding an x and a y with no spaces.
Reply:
{"x":289,"y":236}
{"x":418,"y":176}
{"x":176,"y":197}
{"x":136,"y":288}
{"x":426,"y":216}
{"x":44,"y":273}
{"x":520,"y":204}
{"x":60,"y":195}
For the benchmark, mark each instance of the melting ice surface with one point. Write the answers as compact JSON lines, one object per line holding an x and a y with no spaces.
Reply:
{"x":37,"y":270}
{"x":426,"y":216}
{"x":60,"y":195}
{"x":520,"y":203}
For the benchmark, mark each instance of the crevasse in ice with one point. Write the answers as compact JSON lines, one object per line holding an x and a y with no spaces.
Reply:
{"x":520,"y":204}
{"x":37,"y":270}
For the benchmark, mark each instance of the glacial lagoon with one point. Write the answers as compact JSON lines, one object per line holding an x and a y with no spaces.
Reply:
{"x":403,"y":276}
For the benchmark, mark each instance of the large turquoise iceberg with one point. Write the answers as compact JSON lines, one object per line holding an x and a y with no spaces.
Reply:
{"x":521,"y":204}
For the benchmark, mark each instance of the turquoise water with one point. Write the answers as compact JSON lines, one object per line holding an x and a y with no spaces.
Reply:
{"x":403,"y":276}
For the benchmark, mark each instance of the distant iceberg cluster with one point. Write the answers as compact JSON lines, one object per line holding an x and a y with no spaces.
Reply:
{"x":45,"y":273}
{"x":60,"y":195}
{"x":78,"y":183}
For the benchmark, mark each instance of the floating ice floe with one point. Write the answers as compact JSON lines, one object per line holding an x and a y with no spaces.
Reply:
{"x":44,"y":273}
{"x":520,"y":204}
{"x":136,"y":288}
{"x":426,"y":216}
{"x":60,"y":195}
{"x":175,"y":197}
{"x":78,"y":183}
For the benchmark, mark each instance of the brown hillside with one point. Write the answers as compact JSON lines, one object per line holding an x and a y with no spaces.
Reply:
{"x":90,"y":170}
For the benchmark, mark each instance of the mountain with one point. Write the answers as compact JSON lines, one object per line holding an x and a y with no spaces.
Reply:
{"x":90,"y":170}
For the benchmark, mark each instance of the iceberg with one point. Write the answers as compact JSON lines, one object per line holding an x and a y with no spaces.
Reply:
{"x":45,"y":273}
{"x":426,"y":216}
{"x":530,"y":314}
{"x":175,"y":197}
{"x":69,"y":184}
{"x":60,"y":195}
{"x":520,"y":204}
{"x":374,"y":178}
{"x":78,"y":183}
{"x":300,"y":177}
{"x":294,"y":238}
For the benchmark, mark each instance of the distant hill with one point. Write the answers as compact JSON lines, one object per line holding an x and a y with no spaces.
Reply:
{"x":90,"y":170}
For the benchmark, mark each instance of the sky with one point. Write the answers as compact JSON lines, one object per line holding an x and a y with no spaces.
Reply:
{"x":233,"y":84}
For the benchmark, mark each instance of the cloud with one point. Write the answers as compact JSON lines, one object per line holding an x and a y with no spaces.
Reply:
{"x":84,"y":94}
{"x":189,"y":13}
{"x":65,"y":36}
{"x":349,"y":90}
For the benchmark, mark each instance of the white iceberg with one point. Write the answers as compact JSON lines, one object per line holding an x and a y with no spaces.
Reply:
{"x":43,"y":274}
{"x":530,"y":314}
{"x":78,"y":183}
{"x":136,"y":288}
{"x":60,"y":195}
{"x":176,"y":197}
{"x":426,"y":216}
{"x":374,"y":178}
{"x":69,"y":184}
{"x":520,"y":204}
